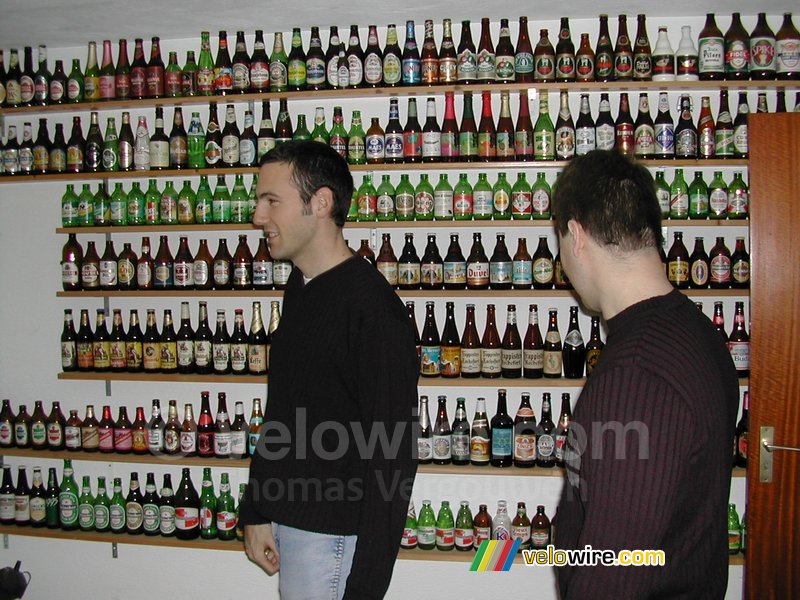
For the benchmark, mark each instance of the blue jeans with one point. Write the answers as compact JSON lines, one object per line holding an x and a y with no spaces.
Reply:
{"x":314,"y":566}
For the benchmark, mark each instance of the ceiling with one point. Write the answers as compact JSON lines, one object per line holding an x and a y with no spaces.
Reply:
{"x":66,"y":23}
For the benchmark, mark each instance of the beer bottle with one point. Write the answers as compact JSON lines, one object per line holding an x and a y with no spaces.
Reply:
{"x":374,"y":142}
{"x":532,"y":347}
{"x":544,"y":59}
{"x":480,"y":438}
{"x":150,"y":507}
{"x":154,"y":74}
{"x":624,"y":127}
{"x":239,"y":431}
{"x":134,"y":518}
{"x":482,"y":199}
{"x":139,"y":437}
{"x":482,"y":526}
{"x":202,"y":343}
{"x":762,"y":50}
{"x":523,"y":132}
{"x":409,"y":539}
{"x":487,"y":132}
{"x":739,"y":342}
{"x":425,"y":439}
{"x":431,"y":135}
{"x":37,"y":500}
{"x":642,"y":59}
{"x":623,"y":53}
{"x":213,"y":139}
{"x":164,"y":276}
{"x":259,"y":64}
{"x":426,"y":527}
{"x":594,"y":347}
{"x":678,"y":263}
{"x":491,"y":351}
{"x":468,"y":132}
{"x":431,"y":344}
{"x":738,"y":197}
{"x":225,"y":513}
{"x":552,"y":349}
{"x":113,"y":511}
{"x":133,"y":344}
{"x":737,"y":50}
{"x":523,"y":58}
{"x":448,"y":60}
{"x":545,"y":440}
{"x":172,"y":77}
{"x":467,"y":66}
{"x":503,"y":58}
{"x":71,"y":264}
{"x":412,"y":142}
{"x":205,"y":428}
{"x":123,"y":432}
{"x":222,"y":263}
{"x":155,"y":430}
{"x":525,"y":434}
{"x":52,"y":513}
{"x":411,"y":65}
{"x":462,"y":199}
{"x":75,"y":82}
{"x":521,"y":199}
{"x":584,"y":61}
{"x":521,"y":528}
{"x":159,"y":144}
{"x":511,"y":348}
{"x":408,"y":266}
{"x":470,"y":346}
{"x":220,"y":346}
{"x":393,"y":135}
{"x":604,"y":126}
{"x":565,"y":54}
{"x":720,"y":260}
{"x":787,"y":41}
{"x":644,"y":142}
{"x":257,"y":344}
{"x":254,"y":426}
{"x":6,"y":425}
{"x":238,"y":345}
{"x":500,"y":265}
{"x":67,"y":496}
{"x":387,"y":261}
{"x":711,"y":51}
{"x":188,"y":76}
{"x":445,"y":528}
{"x":441,"y":450}
{"x":431,"y":267}
{"x":373,"y":58}
{"x":544,"y":146}
{"x":663,"y":58}
{"x":562,"y":429}
{"x":187,"y":509}
{"x":522,"y":269}
{"x":242,"y":265}
{"x":679,"y":197}
{"x":86,"y":506}
{"x":742,"y":430}
{"x":54,"y":427}
{"x":166,"y":508}
{"x":540,"y":529}
{"x":486,"y":57}
{"x":57,"y":158}
{"x":565,"y":130}
{"x":734,"y":531}
{"x":604,"y":53}
{"x":7,"y":498}
{"x":698,"y":266}
{"x":105,"y":431}
{"x":354,"y":57}
{"x":41,"y":149}
{"x":698,"y":197}
{"x":460,"y":435}
{"x":686,"y":57}
{"x":84,"y":344}
{"x":240,"y":68}
{"x":501,"y":524}
{"x":172,"y":430}
{"x":463,"y":532}
{"x":574,"y":352}
{"x":188,"y":432}
{"x":222,"y":429}
{"x":542,"y":265}
{"x":740,"y":266}
{"x":57,"y":85}
{"x":392,"y":60}
{"x":151,"y":344}
{"x":101,"y":343}
{"x":584,"y":128}
{"x":740,"y":145}
{"x":262,"y":267}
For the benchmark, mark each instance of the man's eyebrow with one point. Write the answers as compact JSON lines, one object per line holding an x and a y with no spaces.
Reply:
{"x":267,"y":194}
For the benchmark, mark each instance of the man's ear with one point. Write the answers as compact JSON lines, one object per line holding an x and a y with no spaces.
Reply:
{"x":322,"y":202}
{"x":578,"y":234}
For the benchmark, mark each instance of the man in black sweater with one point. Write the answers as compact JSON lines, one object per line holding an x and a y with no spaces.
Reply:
{"x":649,"y":453}
{"x":332,"y":475}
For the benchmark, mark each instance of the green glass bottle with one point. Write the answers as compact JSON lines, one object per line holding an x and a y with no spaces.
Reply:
{"x":482,"y":199}
{"x":85,"y":216}
{"x":663,"y":193}
{"x":151,"y":509}
{"x":119,"y":205}
{"x":717,"y":197}
{"x":462,"y":199}
{"x":86,"y":506}
{"x":338,"y":135}
{"x":301,"y":132}
{"x":385,"y":203}
{"x":172,"y":73}
{"x":240,"y":207}
{"x":239,"y":527}
{"x":91,"y":78}
{"x":738,"y":197}
{"x":356,"y":140}
{"x":423,"y":199}
{"x":544,"y":134}
{"x":226,"y":513}
{"x":734,"y":530}
{"x":468,"y":134}
{"x":320,"y":133}
{"x":168,"y":207}
{"x":186,"y":201}
{"x":501,"y":197}
{"x":367,"y":199}
{"x":69,"y":207}
{"x":205,"y":67}
{"x":410,"y":531}
{"x":102,"y":206}
{"x":678,"y":197}
{"x":278,"y":66}
{"x":698,"y":197}
{"x":196,"y":143}
{"x":743,"y":534}
{"x":68,"y":498}
{"x":443,"y":199}
{"x":522,"y":197}
{"x":152,"y":204}
{"x":541,"y":195}
{"x":426,"y":527}
{"x":296,"y":68}
{"x":352,"y":211}
{"x":203,"y":202}
{"x":75,"y":85}
{"x":116,"y":510}
{"x":102,"y":503}
{"x":404,"y":199}
{"x":52,"y":516}
{"x":111,"y":147}
{"x":136,"y":205}
{"x":252,"y":197}
{"x":189,"y":75}
{"x":221,"y":202}
{"x":208,"y":507}
{"x":445,"y":528}
{"x":464,"y":528}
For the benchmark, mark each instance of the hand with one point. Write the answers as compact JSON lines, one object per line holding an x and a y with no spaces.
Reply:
{"x":259,"y":544}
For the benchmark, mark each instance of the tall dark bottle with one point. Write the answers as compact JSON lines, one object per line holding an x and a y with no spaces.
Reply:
{"x":491,"y":352}
{"x":450,"y":353}
{"x":187,"y":509}
{"x":737,"y":50}
{"x":574,"y":351}
{"x":470,"y":346}
{"x":502,"y":434}
{"x":431,"y":344}
{"x":742,"y":429}
{"x":545,"y":436}
{"x":525,"y":434}
{"x":511,"y":347}
{"x":562,"y":429}
{"x":532,"y":347}
{"x":594,"y":346}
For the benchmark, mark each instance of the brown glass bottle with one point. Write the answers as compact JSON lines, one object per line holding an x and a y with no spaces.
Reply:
{"x":413,"y":320}
{"x":737,"y":50}
{"x":168,"y":345}
{"x":594,"y":347}
{"x":450,"y":356}
{"x":584,"y":60}
{"x":477,"y":265}
{"x":133,"y":345}
{"x":71,"y":261}
{"x":203,"y":358}
{"x":698,"y":266}
{"x":642,"y":55}
{"x":386,"y":261}
{"x":429,"y":57}
{"x":126,"y":268}
{"x":624,"y":127}
{"x":786,"y":43}
{"x":542,"y":266}
{"x":90,"y":268}
{"x":574,"y":351}
{"x":511,"y":347}
{"x":90,"y":434}
{"x":164,"y":277}
{"x":84,"y":349}
{"x":101,"y":343}
{"x":183,"y":265}
{"x":711,"y":47}
{"x":408,"y":266}
{"x":623,"y":53}
{"x":523,"y":57}
{"x":242,"y":266}
{"x":470,"y":346}
{"x":552,"y":347}
{"x":740,"y":266}
{"x":762,"y":50}
{"x":155,"y":71}
{"x":565,"y":53}
{"x":431,"y":344}
{"x":145,"y":267}
{"x":117,"y":350}
{"x":738,"y":343}
{"x":139,"y":432}
{"x":604,"y":53}
{"x":491,"y":352}
{"x":678,"y":263}
{"x":544,"y":59}
{"x":720,"y":261}
{"x":222,"y":266}
{"x":151,"y":349}
{"x":431,"y":266}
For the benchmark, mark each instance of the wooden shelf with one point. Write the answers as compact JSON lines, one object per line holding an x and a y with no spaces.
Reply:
{"x":237,"y":546}
{"x":116,"y":457}
{"x":173,"y":294}
{"x":418,"y":90}
{"x":77,"y":375}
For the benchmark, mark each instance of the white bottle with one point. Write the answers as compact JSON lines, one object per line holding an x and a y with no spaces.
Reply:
{"x":686,"y":57}
{"x":141,"y":147}
{"x":663,"y":58}
{"x":501,"y":524}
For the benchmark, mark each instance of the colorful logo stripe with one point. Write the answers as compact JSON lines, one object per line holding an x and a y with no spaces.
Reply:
{"x":495,"y":555}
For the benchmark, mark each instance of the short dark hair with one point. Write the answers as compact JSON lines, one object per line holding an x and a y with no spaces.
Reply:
{"x":316,"y":165}
{"x":612,"y":197}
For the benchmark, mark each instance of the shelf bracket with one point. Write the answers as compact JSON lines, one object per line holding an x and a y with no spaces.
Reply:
{"x":5,"y":541}
{"x":114,"y":550}
{"x":373,"y":239}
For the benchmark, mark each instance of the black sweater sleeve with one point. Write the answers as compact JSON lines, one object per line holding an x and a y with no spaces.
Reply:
{"x":387,"y":376}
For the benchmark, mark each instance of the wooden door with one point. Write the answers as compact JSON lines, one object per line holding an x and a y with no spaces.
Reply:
{"x":772,"y":568}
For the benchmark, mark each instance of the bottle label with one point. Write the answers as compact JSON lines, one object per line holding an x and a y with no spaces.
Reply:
{"x":543,"y":270}
{"x":720,"y":269}
{"x":188,"y":441}
{"x":431,"y":274}
{"x":450,"y":360}
{"x":429,"y":364}
{"x":540,"y":201}
{"x":392,"y":69}
{"x":226,"y":520}
{"x":698,"y":271}
{"x":740,"y":353}
{"x":686,"y":143}
{"x":486,"y":67}
{"x":552,"y":364}
{"x":584,"y":67}
{"x":116,"y":517}
{"x":37,"y":508}
{"x":479,"y":449}
{"x":787,"y":55}
{"x":86,"y":516}
{"x":441,"y":447}
{"x":166,"y":520}
{"x":467,"y":67}
{"x":678,"y":271}
{"x":723,"y":142}
{"x":711,"y":55}
{"x":356,"y":70}
{"x":762,"y":53}
{"x":123,"y":440}
{"x":687,"y":65}
{"x":545,"y":445}
{"x":69,"y":273}
{"x":477,"y":273}
{"x":150,"y":515}
{"x":522,"y":273}
{"x":500,"y":272}
{"x":501,"y":201}
{"x":525,"y":448}
{"x":424,"y":448}
{"x":740,"y":139}
{"x":540,"y":538}
{"x":737,"y":202}
{"x":522,"y":533}
{"x":68,"y":508}
{"x":741,"y":271}
{"x":543,"y":67}
{"x":462,"y":204}
{"x":737,"y":56}
{"x":511,"y":359}
{"x":6,"y":434}
{"x":521,"y":203}
{"x":187,"y":518}
{"x":455,"y":273}
{"x":523,"y":62}
{"x":482,"y":202}
{"x":490,"y":361}
{"x":471,"y":360}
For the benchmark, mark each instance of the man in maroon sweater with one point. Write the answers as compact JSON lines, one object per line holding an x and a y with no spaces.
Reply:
{"x":649,"y":454}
